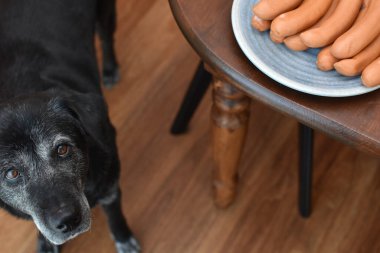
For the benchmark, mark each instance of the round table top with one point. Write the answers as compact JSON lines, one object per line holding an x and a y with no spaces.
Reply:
{"x":207,"y":27}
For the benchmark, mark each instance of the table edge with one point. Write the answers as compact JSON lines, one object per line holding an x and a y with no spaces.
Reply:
{"x":285,"y":106}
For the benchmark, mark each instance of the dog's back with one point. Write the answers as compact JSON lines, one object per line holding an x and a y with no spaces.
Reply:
{"x":47,"y":43}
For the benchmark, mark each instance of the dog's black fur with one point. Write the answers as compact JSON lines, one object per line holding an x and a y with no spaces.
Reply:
{"x":50,"y":98}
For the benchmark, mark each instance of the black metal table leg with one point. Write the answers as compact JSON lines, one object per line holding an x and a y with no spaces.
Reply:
{"x":306,"y":136}
{"x":198,"y":87}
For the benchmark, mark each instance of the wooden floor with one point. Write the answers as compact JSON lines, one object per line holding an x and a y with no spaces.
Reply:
{"x":166,"y":179}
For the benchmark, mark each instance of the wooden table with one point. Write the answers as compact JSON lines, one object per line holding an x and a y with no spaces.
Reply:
{"x":207,"y":26}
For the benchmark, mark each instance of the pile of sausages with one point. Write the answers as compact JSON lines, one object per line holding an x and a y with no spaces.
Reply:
{"x":347,"y":31}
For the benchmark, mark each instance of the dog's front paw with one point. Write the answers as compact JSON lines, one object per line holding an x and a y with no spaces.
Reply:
{"x":44,"y":246}
{"x":130,"y":246}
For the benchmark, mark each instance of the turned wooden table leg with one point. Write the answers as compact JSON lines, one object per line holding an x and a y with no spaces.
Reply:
{"x":230,"y":114}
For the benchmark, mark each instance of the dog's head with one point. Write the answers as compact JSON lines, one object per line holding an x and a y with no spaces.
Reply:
{"x":44,"y":163}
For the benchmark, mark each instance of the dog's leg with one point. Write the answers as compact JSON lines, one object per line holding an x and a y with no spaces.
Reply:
{"x":125,"y":242}
{"x":44,"y":246}
{"x":106,"y":27}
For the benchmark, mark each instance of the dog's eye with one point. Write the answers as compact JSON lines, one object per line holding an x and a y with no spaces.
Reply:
{"x":63,"y":149}
{"x":12,"y":174}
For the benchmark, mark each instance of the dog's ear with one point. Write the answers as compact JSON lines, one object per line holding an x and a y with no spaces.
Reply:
{"x":90,"y":110}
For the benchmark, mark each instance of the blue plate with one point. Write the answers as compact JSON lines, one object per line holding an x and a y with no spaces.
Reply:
{"x":296,"y":70}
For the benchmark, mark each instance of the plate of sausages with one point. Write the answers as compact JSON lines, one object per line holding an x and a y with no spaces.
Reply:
{"x":316,"y":52}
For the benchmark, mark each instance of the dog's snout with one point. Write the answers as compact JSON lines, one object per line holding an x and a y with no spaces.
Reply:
{"x":66,"y":219}
{"x":68,"y":224}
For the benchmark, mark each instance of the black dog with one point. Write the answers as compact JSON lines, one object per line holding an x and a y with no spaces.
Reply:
{"x":58,"y":154}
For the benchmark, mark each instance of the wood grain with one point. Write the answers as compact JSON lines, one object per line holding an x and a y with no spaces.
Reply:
{"x":230,"y":114}
{"x":166,"y":179}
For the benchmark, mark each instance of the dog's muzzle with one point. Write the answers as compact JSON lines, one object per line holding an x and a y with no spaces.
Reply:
{"x":65,"y":221}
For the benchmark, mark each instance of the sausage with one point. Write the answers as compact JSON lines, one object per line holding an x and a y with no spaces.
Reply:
{"x":371,"y":74}
{"x":360,"y":35}
{"x":325,"y":60}
{"x":331,"y":28}
{"x":298,"y":20}
{"x":276,"y":38}
{"x":260,"y":24}
{"x":355,"y":65}
{"x":295,"y":42}
{"x":270,"y":9}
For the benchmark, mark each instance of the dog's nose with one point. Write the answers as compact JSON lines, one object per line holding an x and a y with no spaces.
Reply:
{"x":66,"y":219}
